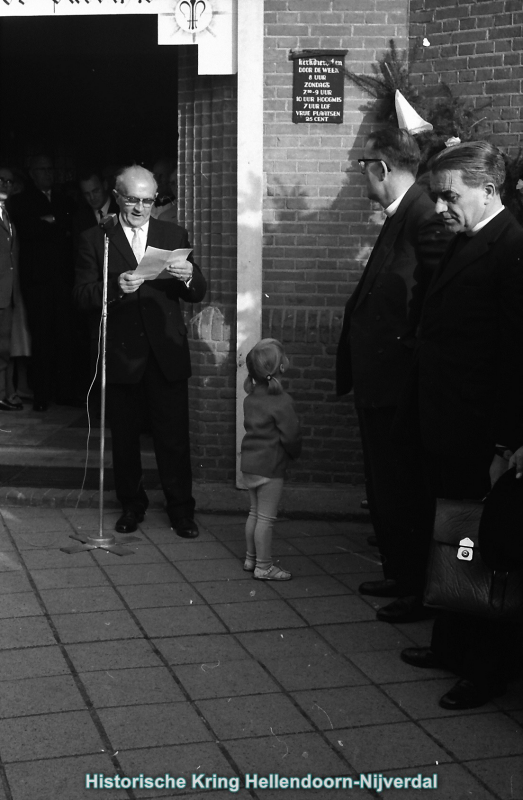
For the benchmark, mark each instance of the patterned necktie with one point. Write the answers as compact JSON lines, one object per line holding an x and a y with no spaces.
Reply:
{"x":137,"y":244}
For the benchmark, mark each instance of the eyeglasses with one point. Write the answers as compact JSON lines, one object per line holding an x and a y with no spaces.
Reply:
{"x":7,"y":181}
{"x":129,"y":200}
{"x":364,"y":161}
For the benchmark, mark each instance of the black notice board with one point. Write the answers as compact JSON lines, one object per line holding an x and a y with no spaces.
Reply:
{"x":318,"y":86}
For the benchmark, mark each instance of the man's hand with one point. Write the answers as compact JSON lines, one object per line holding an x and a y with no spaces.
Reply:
{"x":129,"y":282}
{"x":516,"y":460}
{"x":497,"y":468}
{"x":181,"y":271}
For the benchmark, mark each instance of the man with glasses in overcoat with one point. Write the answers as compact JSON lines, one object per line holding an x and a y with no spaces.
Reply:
{"x":374,"y":359}
{"x":148,"y":360}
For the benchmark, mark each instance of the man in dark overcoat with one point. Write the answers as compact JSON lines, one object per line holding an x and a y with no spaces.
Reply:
{"x":469,"y":390}
{"x":375,"y":356}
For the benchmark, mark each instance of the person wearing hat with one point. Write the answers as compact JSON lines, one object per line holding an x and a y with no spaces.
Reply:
{"x":469,"y":391}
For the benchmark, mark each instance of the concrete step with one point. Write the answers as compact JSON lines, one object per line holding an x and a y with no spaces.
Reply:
{"x":52,"y":458}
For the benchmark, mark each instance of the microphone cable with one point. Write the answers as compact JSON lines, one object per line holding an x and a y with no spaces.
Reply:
{"x":89,"y":426}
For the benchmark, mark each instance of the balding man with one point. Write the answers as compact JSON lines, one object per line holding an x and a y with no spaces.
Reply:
{"x":374,"y":358}
{"x":148,"y":361}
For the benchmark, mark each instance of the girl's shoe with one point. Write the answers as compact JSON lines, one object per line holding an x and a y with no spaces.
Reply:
{"x":274,"y":573}
{"x":249,"y":565}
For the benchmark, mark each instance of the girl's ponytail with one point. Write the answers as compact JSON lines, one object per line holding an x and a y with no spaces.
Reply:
{"x":274,"y":384}
{"x":265,"y":363}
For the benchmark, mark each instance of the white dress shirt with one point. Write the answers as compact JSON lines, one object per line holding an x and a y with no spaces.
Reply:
{"x":142,"y":234}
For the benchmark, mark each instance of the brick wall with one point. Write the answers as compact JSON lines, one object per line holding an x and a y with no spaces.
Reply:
{"x":319,"y":224}
{"x":207,"y":204}
{"x":319,"y":230}
{"x":476,"y":47}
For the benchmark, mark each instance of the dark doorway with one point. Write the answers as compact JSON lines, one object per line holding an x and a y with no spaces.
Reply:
{"x":92,"y":89}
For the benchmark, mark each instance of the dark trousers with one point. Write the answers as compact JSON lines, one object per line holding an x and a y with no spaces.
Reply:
{"x":400,"y":505}
{"x":481,"y":650}
{"x":50,"y":318}
{"x":164,"y":405}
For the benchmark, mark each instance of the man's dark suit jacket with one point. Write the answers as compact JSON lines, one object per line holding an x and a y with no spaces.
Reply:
{"x":45,"y":247}
{"x":470,"y":349}
{"x":377,"y":339}
{"x":149,"y":319}
{"x":8,"y":262}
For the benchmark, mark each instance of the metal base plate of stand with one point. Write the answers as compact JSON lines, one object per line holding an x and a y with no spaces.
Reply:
{"x":109,"y":543}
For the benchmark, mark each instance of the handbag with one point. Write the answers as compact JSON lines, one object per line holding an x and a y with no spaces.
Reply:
{"x":457,"y":578}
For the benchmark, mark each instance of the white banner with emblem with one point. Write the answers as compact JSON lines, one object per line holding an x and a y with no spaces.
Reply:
{"x":212,"y":25}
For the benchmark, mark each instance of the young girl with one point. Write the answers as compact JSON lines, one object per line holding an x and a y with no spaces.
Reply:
{"x":272,"y":438}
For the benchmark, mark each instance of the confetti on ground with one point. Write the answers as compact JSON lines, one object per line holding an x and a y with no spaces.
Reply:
{"x":281,"y":740}
{"x":205,"y":667}
{"x":322,"y":709}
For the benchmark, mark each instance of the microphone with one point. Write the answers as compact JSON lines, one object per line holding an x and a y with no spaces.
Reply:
{"x":108,"y":223}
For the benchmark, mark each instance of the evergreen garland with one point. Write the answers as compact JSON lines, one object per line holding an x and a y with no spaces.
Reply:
{"x":450,"y":116}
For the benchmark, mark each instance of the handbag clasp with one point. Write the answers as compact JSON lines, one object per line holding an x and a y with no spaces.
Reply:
{"x":465,"y":549}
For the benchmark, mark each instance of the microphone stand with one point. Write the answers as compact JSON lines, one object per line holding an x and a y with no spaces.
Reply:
{"x":102,"y":541}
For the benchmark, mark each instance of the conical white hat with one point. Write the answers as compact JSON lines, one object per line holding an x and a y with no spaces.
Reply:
{"x":407,"y":117}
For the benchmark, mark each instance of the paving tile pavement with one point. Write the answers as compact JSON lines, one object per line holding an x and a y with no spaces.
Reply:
{"x":173,"y":664}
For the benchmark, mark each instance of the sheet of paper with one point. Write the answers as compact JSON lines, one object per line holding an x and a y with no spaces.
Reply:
{"x":177,"y":258}
{"x":155,"y":260}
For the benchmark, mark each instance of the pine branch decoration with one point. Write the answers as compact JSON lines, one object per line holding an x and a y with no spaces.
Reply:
{"x":391,"y":72}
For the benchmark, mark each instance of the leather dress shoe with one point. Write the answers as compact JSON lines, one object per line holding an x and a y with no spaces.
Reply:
{"x":466,"y":694}
{"x":186,"y":528}
{"x":7,"y":405}
{"x":385,"y":588}
{"x":422,"y":657}
{"x":39,"y":406}
{"x":129,"y":520}
{"x":404,"y":609}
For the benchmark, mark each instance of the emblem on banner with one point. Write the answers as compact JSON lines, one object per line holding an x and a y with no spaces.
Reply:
{"x":193,"y":16}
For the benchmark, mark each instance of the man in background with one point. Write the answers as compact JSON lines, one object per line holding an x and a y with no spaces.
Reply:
{"x":43,"y":219}
{"x":98,"y":202}
{"x":8,"y":278}
{"x":165,"y":172}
